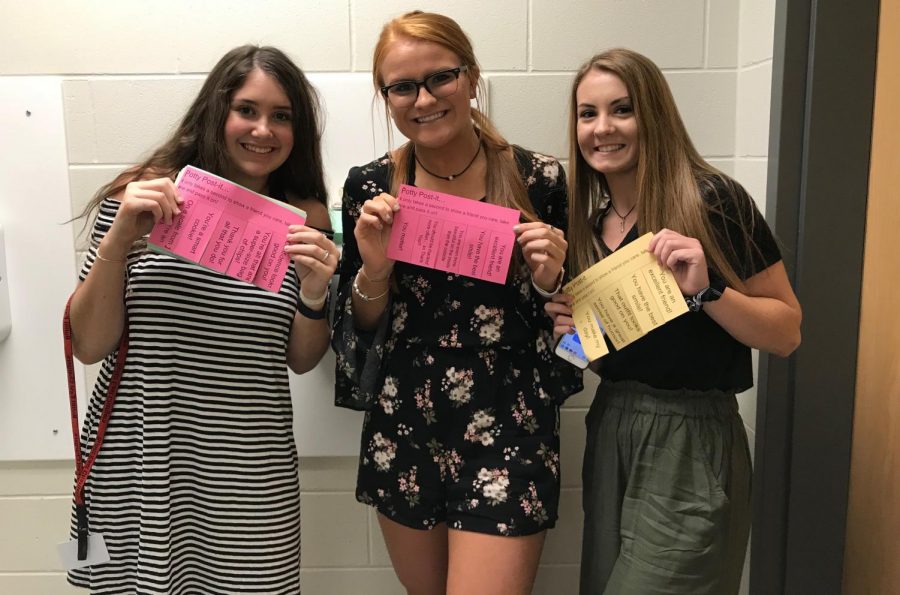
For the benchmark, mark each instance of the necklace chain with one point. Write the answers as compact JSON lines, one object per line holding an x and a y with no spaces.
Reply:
{"x":451,"y":177}
{"x":612,"y":205}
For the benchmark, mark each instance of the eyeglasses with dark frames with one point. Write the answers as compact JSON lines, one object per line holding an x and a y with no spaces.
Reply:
{"x":439,"y":84}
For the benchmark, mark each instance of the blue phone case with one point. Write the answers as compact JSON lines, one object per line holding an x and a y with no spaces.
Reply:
{"x":572,"y":344}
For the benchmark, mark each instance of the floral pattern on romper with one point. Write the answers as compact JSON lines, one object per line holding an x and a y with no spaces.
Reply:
{"x":462,"y":381}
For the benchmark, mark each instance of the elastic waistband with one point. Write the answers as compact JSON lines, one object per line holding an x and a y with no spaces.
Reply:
{"x":637,"y":397}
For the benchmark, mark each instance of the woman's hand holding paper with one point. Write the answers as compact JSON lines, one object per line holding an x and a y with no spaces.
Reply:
{"x":544,"y":249}
{"x":372,"y":233}
{"x":683,"y":256}
{"x":315,"y":259}
{"x":144,"y":203}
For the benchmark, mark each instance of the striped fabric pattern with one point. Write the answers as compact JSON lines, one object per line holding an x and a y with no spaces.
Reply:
{"x":196,"y":488}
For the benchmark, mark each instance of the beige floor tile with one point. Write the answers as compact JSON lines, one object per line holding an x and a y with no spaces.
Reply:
{"x":334,"y":530}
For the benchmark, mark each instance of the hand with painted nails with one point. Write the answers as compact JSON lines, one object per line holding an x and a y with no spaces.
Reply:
{"x":559,"y":308}
{"x":372,"y":233}
{"x":683,"y":256}
{"x":544,"y":249}
{"x":315,"y":259}
{"x":144,"y":203}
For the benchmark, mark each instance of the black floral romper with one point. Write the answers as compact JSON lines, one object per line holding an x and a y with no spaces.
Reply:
{"x":462,"y":381}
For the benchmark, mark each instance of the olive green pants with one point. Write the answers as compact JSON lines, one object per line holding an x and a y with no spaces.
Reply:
{"x":666,"y":492}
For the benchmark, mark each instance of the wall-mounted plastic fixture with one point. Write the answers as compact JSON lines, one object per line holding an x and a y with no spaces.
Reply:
{"x":5,"y":316}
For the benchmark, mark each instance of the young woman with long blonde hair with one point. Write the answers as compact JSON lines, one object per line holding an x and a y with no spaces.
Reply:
{"x":667,"y":467}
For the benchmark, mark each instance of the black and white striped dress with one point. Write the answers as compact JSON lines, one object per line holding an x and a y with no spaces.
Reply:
{"x":195,"y":489}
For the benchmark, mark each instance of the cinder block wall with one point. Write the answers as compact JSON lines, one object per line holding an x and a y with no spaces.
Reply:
{"x":751,"y":152}
{"x":151,"y":57}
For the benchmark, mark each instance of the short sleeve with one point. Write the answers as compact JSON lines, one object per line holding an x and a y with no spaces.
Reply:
{"x":740,"y":228}
{"x":104,"y":220}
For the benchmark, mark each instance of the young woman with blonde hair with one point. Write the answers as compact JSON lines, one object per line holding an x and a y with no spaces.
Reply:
{"x":460,"y":447}
{"x":667,"y":467}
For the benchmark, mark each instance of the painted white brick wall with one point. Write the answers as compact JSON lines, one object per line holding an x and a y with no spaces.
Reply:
{"x":166,"y":36}
{"x":722,"y":34}
{"x":498,"y":29}
{"x":565,"y":33}
{"x":131,"y":67}
{"x":544,"y":98}
{"x":756,"y":26}
{"x":752,"y":109}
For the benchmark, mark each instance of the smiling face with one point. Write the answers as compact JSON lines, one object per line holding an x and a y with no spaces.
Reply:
{"x":606,"y":127}
{"x":429,"y":122}
{"x":259,"y":132}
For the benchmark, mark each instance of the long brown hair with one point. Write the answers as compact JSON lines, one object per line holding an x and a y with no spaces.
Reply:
{"x":199,"y":139}
{"x":670,"y":171}
{"x":504,"y":182}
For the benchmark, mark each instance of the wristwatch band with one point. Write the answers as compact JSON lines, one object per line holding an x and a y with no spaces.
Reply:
{"x":313,"y":314}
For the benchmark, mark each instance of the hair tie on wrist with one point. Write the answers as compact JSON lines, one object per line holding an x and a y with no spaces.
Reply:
{"x":313,"y":303}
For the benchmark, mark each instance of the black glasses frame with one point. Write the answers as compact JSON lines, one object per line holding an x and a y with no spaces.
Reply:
{"x":425,"y":82}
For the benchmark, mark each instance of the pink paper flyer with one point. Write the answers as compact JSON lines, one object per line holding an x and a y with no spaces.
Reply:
{"x":229,"y":229}
{"x":453,"y":234}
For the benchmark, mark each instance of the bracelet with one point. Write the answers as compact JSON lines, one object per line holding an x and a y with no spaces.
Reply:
{"x":309,"y":312}
{"x":710,"y":293}
{"x":370,"y":279}
{"x":100,"y":257}
{"x":315,"y":304}
{"x":544,"y":292}
{"x":363,"y":296}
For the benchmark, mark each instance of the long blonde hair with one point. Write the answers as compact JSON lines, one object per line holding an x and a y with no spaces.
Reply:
{"x":670,"y":171}
{"x":504,"y":182}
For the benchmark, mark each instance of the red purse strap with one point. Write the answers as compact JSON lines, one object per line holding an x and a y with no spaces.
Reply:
{"x":83,"y":467}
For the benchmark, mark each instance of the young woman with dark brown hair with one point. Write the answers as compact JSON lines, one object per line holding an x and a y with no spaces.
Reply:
{"x":195,"y":488}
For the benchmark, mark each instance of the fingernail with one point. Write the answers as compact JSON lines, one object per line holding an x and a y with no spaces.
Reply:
{"x":516,"y":228}
{"x":396,"y":207}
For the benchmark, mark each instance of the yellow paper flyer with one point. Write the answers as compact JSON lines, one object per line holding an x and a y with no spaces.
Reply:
{"x":630,"y":295}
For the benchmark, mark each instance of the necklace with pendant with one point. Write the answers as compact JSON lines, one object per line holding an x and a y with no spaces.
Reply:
{"x":622,"y":218}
